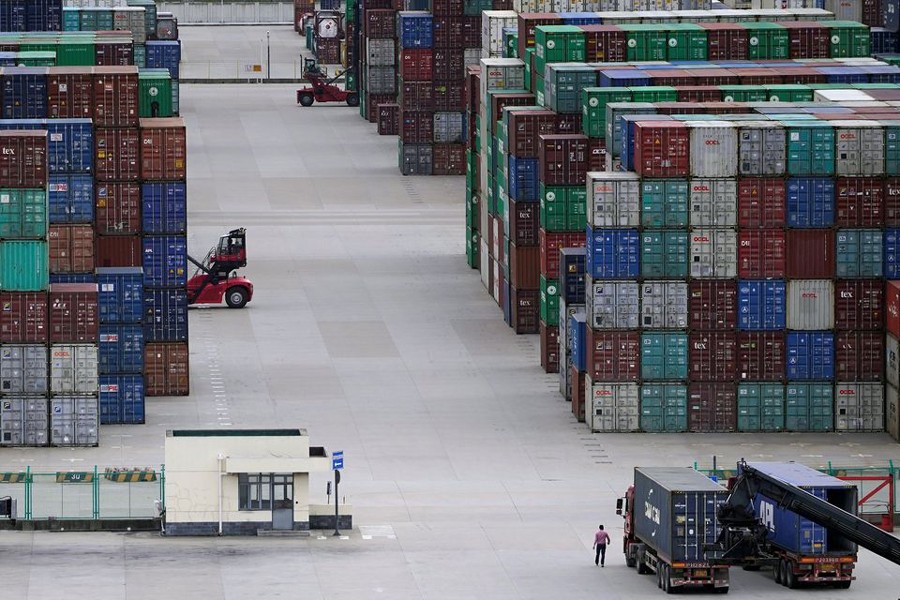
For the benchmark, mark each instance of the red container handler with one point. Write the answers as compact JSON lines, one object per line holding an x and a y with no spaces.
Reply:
{"x":892,"y":307}
{"x":74,"y":313}
{"x":525,"y":308}
{"x":577,"y":393}
{"x":712,"y":407}
{"x":24,"y":318}
{"x":662,"y":149}
{"x":388,"y":119}
{"x":563,"y":159}
{"x":71,"y":248}
{"x":524,"y":221}
{"x":859,"y":356}
{"x":526,"y":127}
{"x":551,"y":242}
{"x":761,"y":253}
{"x":859,"y":304}
{"x":807,"y":39}
{"x":761,"y":202}
{"x":117,"y":153}
{"x":524,"y":266}
{"x":416,"y":64}
{"x":613,"y":355}
{"x":117,"y":208}
{"x":119,"y":251}
{"x":23,"y":159}
{"x":115,"y":96}
{"x":70,"y":93}
{"x":725,"y":41}
{"x":163,"y":149}
{"x":526,"y":25}
{"x":549,"y":348}
{"x":416,"y":95}
{"x":166,"y":369}
{"x":859,"y":201}
{"x":712,"y":355}
{"x":761,"y":355}
{"x":604,"y":43}
{"x":448,"y":159}
{"x":810,"y":254}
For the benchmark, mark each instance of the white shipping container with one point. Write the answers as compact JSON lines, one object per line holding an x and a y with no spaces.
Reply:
{"x":892,"y":360}
{"x":612,"y":304}
{"x":859,"y":407}
{"x":762,"y":149}
{"x":713,"y":202}
{"x":810,"y":304}
{"x":713,"y":253}
{"x":612,"y":406}
{"x":500,"y":74}
{"x":492,"y":24}
{"x":381,"y":80}
{"x":73,"y":369}
{"x":75,"y":421}
{"x":615,"y":199}
{"x":841,"y":96}
{"x":381,"y":53}
{"x":844,"y":10}
{"x":892,"y":412}
{"x":448,"y":128}
{"x":859,"y":148}
{"x":23,"y":421}
{"x":664,"y":304}
{"x":713,"y":148}
{"x":23,"y":369}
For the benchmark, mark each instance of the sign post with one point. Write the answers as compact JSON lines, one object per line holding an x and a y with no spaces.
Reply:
{"x":337,"y":463}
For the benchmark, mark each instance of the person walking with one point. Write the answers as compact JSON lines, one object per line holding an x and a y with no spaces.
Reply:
{"x":601,"y":539}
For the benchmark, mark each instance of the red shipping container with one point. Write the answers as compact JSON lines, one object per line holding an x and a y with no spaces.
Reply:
{"x":24,"y":318}
{"x":568,"y":123}
{"x":117,"y":154}
{"x":501,"y":100}
{"x":499,"y":247}
{"x":328,"y":50}
{"x":372,"y":102}
{"x":163,"y":149}
{"x":761,"y":253}
{"x":892,"y":307}
{"x":563,"y":159}
{"x":761,"y":202}
{"x":524,"y":266}
{"x":447,"y":32}
{"x":525,"y":308}
{"x":416,"y":126}
{"x":578,"y":378}
{"x":166,"y":369}
{"x":613,"y":355}
{"x":859,"y":356}
{"x":473,"y":87}
{"x":381,"y":23}
{"x":550,"y":244}
{"x":603,"y":43}
{"x":549,"y":348}
{"x":526,"y":24}
{"x":472,"y":32}
{"x":74,"y":313}
{"x":117,"y":208}
{"x":892,"y":201}
{"x":670,"y":77}
{"x":525,"y":127}
{"x":596,"y":154}
{"x":71,"y":248}
{"x":698,"y":93}
{"x":416,"y":95}
{"x":712,"y":407}
{"x":448,"y":64}
{"x":416,"y":65}
{"x":872,"y":13}
{"x":110,"y":53}
{"x":524,"y":221}
{"x":70,"y":93}
{"x":801,"y":75}
{"x":762,"y":356}
{"x":712,"y":356}
{"x":725,"y":41}
{"x":807,"y":39}
{"x":713,"y":77}
{"x":23,"y":159}
{"x":859,"y":304}
{"x":388,"y":119}
{"x":448,"y":159}
{"x":859,"y":202}
{"x":119,"y":251}
{"x":756,"y":76}
{"x":444,"y":8}
{"x":662,"y":149}
{"x":810,"y":254}
{"x":115,"y":96}
{"x":712,"y":304}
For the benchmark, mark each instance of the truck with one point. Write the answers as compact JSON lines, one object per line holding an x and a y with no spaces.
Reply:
{"x":671,"y":516}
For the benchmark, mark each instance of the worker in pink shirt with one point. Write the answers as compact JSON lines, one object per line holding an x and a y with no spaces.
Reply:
{"x":601,"y":539}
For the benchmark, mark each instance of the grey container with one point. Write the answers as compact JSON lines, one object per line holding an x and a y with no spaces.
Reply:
{"x":859,"y":148}
{"x":381,"y":53}
{"x":612,"y":304}
{"x":892,"y":360}
{"x":415,"y":159}
{"x":73,"y":369}
{"x":75,"y":421}
{"x":614,"y":199}
{"x":713,"y":253}
{"x":859,"y":407}
{"x":381,"y":80}
{"x":810,"y":304}
{"x":23,"y":369}
{"x":664,"y":305}
{"x":675,"y":512}
{"x":761,"y":149}
{"x":713,"y":202}
{"x":612,"y":406}
{"x":448,"y":127}
{"x":23,"y":421}
{"x":714,"y":148}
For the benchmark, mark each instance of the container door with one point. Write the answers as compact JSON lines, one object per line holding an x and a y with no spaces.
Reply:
{"x":283,"y":502}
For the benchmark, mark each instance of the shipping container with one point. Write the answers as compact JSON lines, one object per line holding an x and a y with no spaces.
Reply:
{"x":761,"y":356}
{"x":73,"y":313}
{"x":761,"y":305}
{"x":810,"y":202}
{"x":712,"y":407}
{"x":166,"y":369}
{"x":859,"y":407}
{"x":73,"y":368}
{"x":121,"y":349}
{"x":577,"y":336}
{"x":611,"y":406}
{"x":615,"y":200}
{"x":70,"y":93}
{"x":24,"y":421}
{"x":713,"y":355}
{"x":613,"y":253}
{"x":859,"y":355}
{"x":121,"y":399}
{"x":713,"y":304}
{"x":119,"y":251}
{"x":892,"y":412}
{"x":810,"y":355}
{"x":71,"y":199}
{"x":115,"y":96}
{"x":24,"y":265}
{"x":859,"y":202}
{"x":414,"y":29}
{"x":612,"y":304}
{"x":664,"y":305}
{"x":562,"y":159}
{"x":24,"y":92}
{"x":524,"y":266}
{"x":859,"y":148}
{"x":165,"y":261}
{"x":23,"y":317}
{"x":163,"y":144}
{"x":164,"y":207}
{"x":713,"y":253}
{"x":663,"y":408}
{"x":612,"y":355}
{"x":810,"y":148}
{"x":810,"y":304}
{"x":549,"y":348}
{"x":71,"y":248}
{"x":525,"y":310}
{"x":572,"y":275}
{"x":118,"y":208}
{"x":664,"y":254}
{"x":75,"y":421}
{"x":661,"y":149}
{"x":761,"y":254}
{"x":713,"y":148}
{"x":23,"y":159}
{"x":23,"y":369}
{"x":165,"y":315}
{"x":117,"y":154}
{"x":664,"y":356}
{"x":70,"y":142}
{"x":761,"y":202}
{"x":811,"y":254}
{"x":859,"y":305}
{"x":809,"y":407}
{"x":859,"y":253}
{"x":713,"y":202}
{"x":664,"y":203}
{"x":23,"y":213}
{"x":760,"y":407}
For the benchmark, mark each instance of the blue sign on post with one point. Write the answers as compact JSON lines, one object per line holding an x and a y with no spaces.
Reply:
{"x":337,"y":460}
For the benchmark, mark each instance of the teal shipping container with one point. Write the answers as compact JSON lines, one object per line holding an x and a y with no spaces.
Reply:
{"x":663,"y":407}
{"x":71,"y":18}
{"x":810,"y":148}
{"x":858,"y":253}
{"x":891,"y":147}
{"x":23,"y":214}
{"x":664,"y":203}
{"x":664,"y":253}
{"x":664,"y":356}
{"x":760,"y":407}
{"x":809,"y":407}
{"x":24,"y":265}
{"x":563,"y":86}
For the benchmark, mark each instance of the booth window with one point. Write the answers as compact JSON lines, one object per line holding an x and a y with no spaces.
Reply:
{"x":254,"y":491}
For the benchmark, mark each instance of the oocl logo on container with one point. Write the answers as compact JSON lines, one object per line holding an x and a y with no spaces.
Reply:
{"x":701,"y":239}
{"x":846,"y":392}
{"x":700,"y":188}
{"x":712,"y":142}
{"x":809,"y":295}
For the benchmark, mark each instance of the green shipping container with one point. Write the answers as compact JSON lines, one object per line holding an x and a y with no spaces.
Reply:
{"x":767,"y":40}
{"x":510,"y":43}
{"x":472,"y":243}
{"x":593,"y":105}
{"x":664,"y":356}
{"x":664,"y":253}
{"x":549,"y":300}
{"x":645,"y":42}
{"x":529,"y":74}
{"x":653,"y":93}
{"x":140,"y":56}
{"x":760,"y":407}
{"x":809,"y":407}
{"x":744,"y":93}
{"x":553,"y":207}
{"x":350,"y":83}
{"x":576,"y":209}
{"x":23,"y":214}
{"x":810,"y":148}
{"x":24,"y":265}
{"x":558,"y":43}
{"x":849,"y":39}
{"x":75,"y":53}
{"x":789,"y":92}
{"x":664,"y":203}
{"x":71,"y":18}
{"x":663,"y":408}
{"x":36,"y":59}
{"x":154,"y":93}
{"x":891,"y":59}
{"x":687,"y":41}
{"x":474,"y":8}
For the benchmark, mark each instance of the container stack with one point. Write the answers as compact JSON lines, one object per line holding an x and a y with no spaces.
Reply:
{"x":327,"y":33}
{"x":892,"y":358}
{"x":36,"y":15}
{"x":121,"y":358}
{"x":416,"y":92}
{"x":136,"y":20}
{"x":377,"y":58}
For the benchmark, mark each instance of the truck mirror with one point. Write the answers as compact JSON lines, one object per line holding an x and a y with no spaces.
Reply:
{"x":619,"y":506}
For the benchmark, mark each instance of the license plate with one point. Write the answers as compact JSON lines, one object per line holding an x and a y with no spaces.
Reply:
{"x":701,"y":573}
{"x":826,"y":567}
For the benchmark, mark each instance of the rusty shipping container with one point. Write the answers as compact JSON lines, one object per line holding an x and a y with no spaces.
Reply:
{"x":525,"y":310}
{"x":761,"y":355}
{"x":859,"y":305}
{"x":23,"y":159}
{"x":24,"y":318}
{"x":115,"y":96}
{"x":563,"y":159}
{"x":859,"y":356}
{"x":119,"y":251}
{"x":613,"y":355}
{"x":524,"y":266}
{"x":117,"y":208}
{"x":712,"y":356}
{"x":74,"y":313}
{"x":71,"y":249}
{"x":70,"y":93}
{"x":163,"y":149}
{"x":117,"y":154}
{"x":712,"y":407}
{"x":166,"y":369}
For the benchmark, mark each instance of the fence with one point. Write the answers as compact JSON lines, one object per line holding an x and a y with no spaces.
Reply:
{"x":112,"y":493}
{"x":210,"y":13}
{"x":240,"y":70}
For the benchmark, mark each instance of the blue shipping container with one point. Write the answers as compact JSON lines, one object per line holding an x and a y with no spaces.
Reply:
{"x":414,"y":29}
{"x":622,"y":78}
{"x":810,"y":202}
{"x":613,"y":253}
{"x":883,"y":74}
{"x":43,"y":15}
{"x":164,"y":207}
{"x":13,"y":15}
{"x":882,"y":41}
{"x":580,"y":18}
{"x":25,"y":92}
{"x":71,"y":198}
{"x":70,"y":142}
{"x":121,"y":349}
{"x":164,"y":54}
{"x":165,"y":260}
{"x":843,"y":74}
{"x":121,"y":294}
{"x":892,"y":253}
{"x":523,"y":179}
{"x":571,"y":275}
{"x":121,"y":399}
{"x":762,"y":305}
{"x":810,"y":355}
{"x":165,"y":315}
{"x":577,"y":336}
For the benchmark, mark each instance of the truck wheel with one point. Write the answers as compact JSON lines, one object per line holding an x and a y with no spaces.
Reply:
{"x":353,"y":99}
{"x":790,"y":579}
{"x":630,"y":561}
{"x":641,"y":566}
{"x":667,"y":580}
{"x":306,"y":99}
{"x":843,"y":585}
{"x":236,"y":297}
{"x":659,"y":578}
{"x":777,"y":570}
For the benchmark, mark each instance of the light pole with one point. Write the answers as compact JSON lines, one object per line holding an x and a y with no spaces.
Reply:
{"x":268,"y":58}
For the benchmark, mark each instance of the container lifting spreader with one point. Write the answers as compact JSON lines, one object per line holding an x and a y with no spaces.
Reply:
{"x":216,"y":276}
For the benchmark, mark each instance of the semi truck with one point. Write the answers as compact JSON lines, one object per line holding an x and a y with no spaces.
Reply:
{"x":671,"y":516}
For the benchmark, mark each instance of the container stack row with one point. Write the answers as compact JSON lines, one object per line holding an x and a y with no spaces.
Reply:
{"x":377,"y":60}
{"x":31,"y":15}
{"x":139,"y":17}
